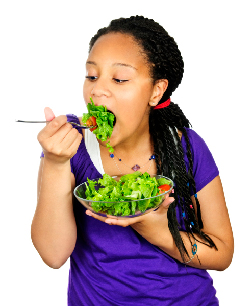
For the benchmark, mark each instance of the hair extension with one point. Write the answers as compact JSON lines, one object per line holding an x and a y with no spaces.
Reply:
{"x":166,"y":62}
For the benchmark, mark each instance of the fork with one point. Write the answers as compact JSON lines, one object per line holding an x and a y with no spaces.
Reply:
{"x":81,"y":126}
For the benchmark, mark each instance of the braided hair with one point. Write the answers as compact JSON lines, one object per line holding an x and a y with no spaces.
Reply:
{"x":165,"y":62}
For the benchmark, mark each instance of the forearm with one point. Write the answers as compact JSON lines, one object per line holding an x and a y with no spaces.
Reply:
{"x":53,"y":228}
{"x":209,"y":258}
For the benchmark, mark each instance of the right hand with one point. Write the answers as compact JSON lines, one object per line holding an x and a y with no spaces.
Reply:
{"x":59,"y":140}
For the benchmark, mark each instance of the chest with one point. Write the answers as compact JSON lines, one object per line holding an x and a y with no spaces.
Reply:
{"x":116,"y":165}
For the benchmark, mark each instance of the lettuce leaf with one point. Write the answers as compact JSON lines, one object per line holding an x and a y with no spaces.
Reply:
{"x":104,"y":121}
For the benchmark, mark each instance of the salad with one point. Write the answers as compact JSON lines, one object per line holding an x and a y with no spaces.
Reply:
{"x":101,"y":119}
{"x":131,"y":193}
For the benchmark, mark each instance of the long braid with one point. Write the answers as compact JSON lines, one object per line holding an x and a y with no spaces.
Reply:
{"x":165,"y":62}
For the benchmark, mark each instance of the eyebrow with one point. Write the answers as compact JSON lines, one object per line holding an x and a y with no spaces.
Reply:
{"x":124,"y":65}
{"x":91,"y":63}
{"x":115,"y":64}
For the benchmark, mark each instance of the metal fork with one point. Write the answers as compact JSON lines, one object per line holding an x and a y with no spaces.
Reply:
{"x":81,"y":126}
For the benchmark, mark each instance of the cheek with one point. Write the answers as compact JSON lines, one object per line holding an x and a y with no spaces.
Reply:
{"x":135,"y":100}
{"x":86,"y":92}
{"x":132,"y":109}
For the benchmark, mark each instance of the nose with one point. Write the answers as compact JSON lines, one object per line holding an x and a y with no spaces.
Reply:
{"x":100,"y":88}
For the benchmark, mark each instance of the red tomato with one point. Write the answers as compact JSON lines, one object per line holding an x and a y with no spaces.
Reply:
{"x":91,"y":122}
{"x":163,"y":188}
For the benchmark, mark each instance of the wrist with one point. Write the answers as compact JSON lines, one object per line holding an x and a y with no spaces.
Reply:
{"x":58,"y":165}
{"x":56,"y":161}
{"x":55,"y":178}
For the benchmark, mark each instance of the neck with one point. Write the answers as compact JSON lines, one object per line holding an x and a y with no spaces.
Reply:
{"x":135,"y":146}
{"x":131,"y":152}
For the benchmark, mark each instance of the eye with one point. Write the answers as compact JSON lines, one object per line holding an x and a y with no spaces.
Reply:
{"x":91,"y":78}
{"x":120,"y":81}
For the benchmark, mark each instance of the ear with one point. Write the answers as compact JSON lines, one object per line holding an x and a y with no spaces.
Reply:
{"x":158,"y":91}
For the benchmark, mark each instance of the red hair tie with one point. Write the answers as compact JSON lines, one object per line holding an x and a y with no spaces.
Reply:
{"x":164,"y":104}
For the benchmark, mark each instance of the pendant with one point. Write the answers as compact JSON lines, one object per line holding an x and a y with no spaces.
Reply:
{"x":135,"y":168}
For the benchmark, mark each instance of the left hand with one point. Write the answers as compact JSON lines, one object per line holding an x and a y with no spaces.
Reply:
{"x":147,"y":224}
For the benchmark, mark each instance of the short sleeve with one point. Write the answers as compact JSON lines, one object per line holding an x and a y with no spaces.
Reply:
{"x":204,"y":166}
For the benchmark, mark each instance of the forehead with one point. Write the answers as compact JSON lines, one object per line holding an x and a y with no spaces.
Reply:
{"x":117,"y":47}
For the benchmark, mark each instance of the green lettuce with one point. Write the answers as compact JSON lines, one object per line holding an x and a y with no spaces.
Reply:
{"x":104,"y":121}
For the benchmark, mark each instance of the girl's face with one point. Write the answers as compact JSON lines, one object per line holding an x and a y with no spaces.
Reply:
{"x":118,"y":77}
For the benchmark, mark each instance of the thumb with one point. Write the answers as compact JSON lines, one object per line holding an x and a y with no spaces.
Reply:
{"x":49,"y":115}
{"x":167,"y":202}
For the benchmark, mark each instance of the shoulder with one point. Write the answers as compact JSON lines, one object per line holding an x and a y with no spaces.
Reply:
{"x":197,"y":143}
{"x":193,"y":136}
{"x":204,"y":166}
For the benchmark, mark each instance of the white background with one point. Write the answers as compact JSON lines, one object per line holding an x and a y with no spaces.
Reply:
{"x":43,"y":51}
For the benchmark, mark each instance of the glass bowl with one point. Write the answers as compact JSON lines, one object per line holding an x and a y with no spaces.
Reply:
{"x":156,"y":201}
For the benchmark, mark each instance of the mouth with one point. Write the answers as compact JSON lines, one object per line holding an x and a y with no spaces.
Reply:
{"x":114,"y":117}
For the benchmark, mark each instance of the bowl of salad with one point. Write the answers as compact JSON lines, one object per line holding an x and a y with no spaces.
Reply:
{"x":125,"y":196}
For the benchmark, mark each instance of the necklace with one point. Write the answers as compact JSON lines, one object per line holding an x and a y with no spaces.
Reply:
{"x":136,"y":167}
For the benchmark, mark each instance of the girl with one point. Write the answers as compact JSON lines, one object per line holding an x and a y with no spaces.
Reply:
{"x":160,"y":258}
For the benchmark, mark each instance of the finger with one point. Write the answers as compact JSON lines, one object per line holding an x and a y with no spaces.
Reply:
{"x":69,"y":137}
{"x":49,"y":115}
{"x":165,"y":204}
{"x":75,"y":145}
{"x":95,"y":216}
{"x":51,"y":128}
{"x":55,"y":143}
{"x":71,"y":143}
{"x":113,"y":220}
{"x":122,"y":221}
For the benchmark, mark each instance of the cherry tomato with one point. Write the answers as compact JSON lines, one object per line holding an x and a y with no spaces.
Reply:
{"x":91,"y":122}
{"x":163,"y":188}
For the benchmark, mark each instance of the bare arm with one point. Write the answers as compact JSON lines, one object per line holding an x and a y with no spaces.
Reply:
{"x":53,"y":229}
{"x":216,"y":224}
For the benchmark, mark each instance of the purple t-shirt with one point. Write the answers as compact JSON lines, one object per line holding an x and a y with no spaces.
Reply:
{"x":113,"y":265}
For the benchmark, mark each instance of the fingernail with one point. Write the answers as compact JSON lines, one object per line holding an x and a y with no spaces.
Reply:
{"x":88,"y":213}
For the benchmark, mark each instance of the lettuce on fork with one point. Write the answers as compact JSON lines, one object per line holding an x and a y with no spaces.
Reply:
{"x":119,"y":198}
{"x":104,"y":121}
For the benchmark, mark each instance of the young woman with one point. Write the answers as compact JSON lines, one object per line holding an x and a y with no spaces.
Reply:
{"x":159,"y":258}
